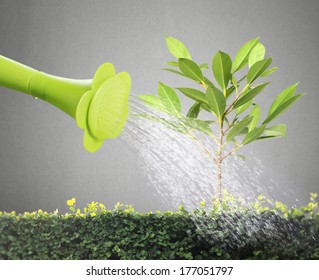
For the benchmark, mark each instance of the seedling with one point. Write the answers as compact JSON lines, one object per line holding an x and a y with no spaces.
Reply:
{"x":230,"y":101}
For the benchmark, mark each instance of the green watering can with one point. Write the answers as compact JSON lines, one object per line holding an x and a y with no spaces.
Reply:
{"x":99,"y":106}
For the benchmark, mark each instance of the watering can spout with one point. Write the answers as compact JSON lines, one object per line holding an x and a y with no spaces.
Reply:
{"x":98,"y":105}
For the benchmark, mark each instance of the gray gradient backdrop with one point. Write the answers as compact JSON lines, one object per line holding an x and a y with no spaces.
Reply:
{"x":42,"y":160}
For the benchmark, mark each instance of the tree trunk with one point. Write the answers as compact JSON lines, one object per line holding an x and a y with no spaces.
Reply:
{"x":219,"y":179}
{"x":219,"y":161}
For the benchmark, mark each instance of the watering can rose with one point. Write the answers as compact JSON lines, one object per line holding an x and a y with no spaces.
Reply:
{"x":103,"y":110}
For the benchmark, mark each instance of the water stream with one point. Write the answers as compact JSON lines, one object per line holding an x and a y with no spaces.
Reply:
{"x":180,"y":173}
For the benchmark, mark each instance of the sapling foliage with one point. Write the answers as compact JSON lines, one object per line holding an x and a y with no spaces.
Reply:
{"x":234,"y":116}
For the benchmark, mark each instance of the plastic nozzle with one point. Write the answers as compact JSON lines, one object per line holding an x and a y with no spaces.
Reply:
{"x":99,"y":105}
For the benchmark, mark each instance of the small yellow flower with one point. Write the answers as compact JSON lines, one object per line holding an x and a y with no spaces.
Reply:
{"x":71,"y":202}
{"x":93,"y":214}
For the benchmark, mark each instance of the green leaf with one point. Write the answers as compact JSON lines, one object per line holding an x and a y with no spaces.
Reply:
{"x":238,"y":128}
{"x":278,"y":130}
{"x":269,"y":72}
{"x":203,"y":66}
{"x":172,"y":63}
{"x":282,"y":97}
{"x":266,"y":137}
{"x":229,"y":91}
{"x":154,"y":102}
{"x":190,"y":69}
{"x":206,"y":107}
{"x":216,"y":100}
{"x":221,"y":66}
{"x":194,"y":94}
{"x":170,"y":99}
{"x":174,"y":71}
{"x":283,"y":107}
{"x":203,"y":126}
{"x":243,"y":108}
{"x":11,"y":238}
{"x":194,"y":110}
{"x":242,"y":157}
{"x":241,"y":58}
{"x":250,"y":94}
{"x":207,"y":82}
{"x":175,"y":64}
{"x":255,"y":113}
{"x":257,"y":69}
{"x":226,"y":120}
{"x":234,"y":81}
{"x":177,"y":48}
{"x":256,"y":54}
{"x":244,"y":132}
{"x":253,"y":135}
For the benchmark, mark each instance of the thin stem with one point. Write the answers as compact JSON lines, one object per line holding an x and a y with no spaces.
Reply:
{"x":228,"y":128}
{"x":220,"y":158}
{"x":235,"y":100}
{"x":199,"y":143}
{"x":238,"y":83}
{"x":203,"y":148}
{"x":204,"y":85}
{"x":232,"y":151}
{"x":241,"y":79}
{"x":219,"y":161}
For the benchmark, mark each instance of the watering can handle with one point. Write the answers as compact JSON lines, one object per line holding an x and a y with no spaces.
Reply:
{"x":15,"y":75}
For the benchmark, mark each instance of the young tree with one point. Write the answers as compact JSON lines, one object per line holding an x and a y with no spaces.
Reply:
{"x":229,"y":101}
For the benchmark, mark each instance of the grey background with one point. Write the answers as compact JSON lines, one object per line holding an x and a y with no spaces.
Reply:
{"x":42,"y":160}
